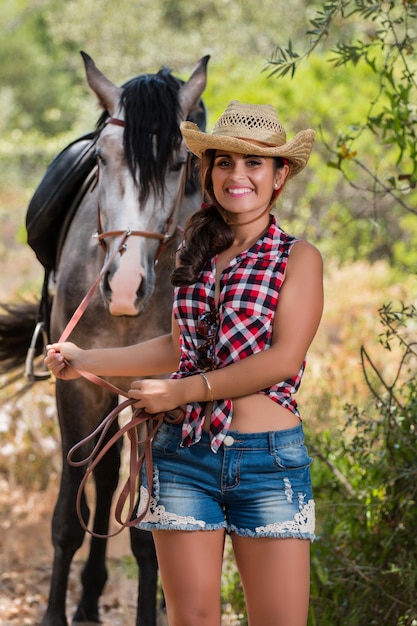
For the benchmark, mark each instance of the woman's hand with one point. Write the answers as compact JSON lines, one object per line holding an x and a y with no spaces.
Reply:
{"x":157,"y":395}
{"x":59,"y":357}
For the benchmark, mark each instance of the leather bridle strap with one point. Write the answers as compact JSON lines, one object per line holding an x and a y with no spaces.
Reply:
{"x":86,"y":300}
{"x":116,"y":121}
{"x":171,"y":227}
{"x":139,"y":417}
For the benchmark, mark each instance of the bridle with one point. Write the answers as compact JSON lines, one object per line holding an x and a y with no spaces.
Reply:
{"x":171,"y":225}
{"x":139,"y":416}
{"x":170,"y":230}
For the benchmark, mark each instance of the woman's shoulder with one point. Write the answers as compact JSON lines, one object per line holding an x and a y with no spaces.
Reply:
{"x":304,"y":247}
{"x":306,"y":254}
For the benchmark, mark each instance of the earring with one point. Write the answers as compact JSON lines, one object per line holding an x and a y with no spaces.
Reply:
{"x":276,"y":186}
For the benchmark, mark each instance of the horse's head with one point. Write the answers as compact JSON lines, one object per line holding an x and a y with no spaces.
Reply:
{"x":142,"y":172}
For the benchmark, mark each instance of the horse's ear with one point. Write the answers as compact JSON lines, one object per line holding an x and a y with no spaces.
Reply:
{"x":190,"y":93}
{"x":107,"y":92}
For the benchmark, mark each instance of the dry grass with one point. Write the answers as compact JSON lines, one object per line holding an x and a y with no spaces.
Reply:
{"x":334,"y":375}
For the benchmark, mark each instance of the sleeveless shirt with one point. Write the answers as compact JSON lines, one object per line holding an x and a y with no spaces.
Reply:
{"x":249,"y":295}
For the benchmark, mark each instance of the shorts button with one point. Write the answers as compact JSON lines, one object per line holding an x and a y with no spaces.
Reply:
{"x":228,"y":440}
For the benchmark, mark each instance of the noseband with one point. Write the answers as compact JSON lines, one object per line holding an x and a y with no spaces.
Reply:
{"x":171,"y":225}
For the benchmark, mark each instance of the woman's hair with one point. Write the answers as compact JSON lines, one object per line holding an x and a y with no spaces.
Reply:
{"x":206,"y":233}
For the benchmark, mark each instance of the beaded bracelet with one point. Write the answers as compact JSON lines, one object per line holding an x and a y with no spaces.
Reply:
{"x":210,"y":390}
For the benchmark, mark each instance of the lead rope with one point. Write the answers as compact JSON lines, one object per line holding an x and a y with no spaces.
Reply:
{"x":139,"y":417}
{"x":137,"y":459}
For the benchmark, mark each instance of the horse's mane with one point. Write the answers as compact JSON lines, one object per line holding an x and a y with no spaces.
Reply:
{"x":152,"y":135}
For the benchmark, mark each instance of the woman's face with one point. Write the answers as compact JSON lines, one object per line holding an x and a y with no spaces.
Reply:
{"x":243,"y":184}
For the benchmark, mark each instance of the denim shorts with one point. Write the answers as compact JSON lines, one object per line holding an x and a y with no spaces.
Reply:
{"x":256,"y":485}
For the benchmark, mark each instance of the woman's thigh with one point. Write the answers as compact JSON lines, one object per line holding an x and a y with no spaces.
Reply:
{"x":190,"y":564}
{"x":275,"y":575}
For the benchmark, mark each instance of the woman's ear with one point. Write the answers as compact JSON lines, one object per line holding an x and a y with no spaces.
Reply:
{"x":282,"y":175}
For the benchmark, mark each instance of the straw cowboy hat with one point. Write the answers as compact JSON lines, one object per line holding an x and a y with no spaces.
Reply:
{"x":251,"y":129}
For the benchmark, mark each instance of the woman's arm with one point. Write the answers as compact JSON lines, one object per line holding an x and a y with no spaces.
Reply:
{"x":296,"y":322}
{"x":155,"y":356}
{"x":295,"y":325}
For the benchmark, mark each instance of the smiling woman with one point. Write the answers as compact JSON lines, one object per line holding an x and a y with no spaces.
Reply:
{"x":247,"y":303}
{"x":242,"y":185}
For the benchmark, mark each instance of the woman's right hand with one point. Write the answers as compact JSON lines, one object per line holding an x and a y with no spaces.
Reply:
{"x":59,"y":358}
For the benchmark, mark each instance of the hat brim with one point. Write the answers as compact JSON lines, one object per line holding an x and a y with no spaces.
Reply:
{"x":297,"y":150}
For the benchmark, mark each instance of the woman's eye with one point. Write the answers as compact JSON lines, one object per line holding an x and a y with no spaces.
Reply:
{"x":223,"y":163}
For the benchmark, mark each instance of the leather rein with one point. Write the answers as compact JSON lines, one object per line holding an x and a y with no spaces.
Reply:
{"x":140,"y":449}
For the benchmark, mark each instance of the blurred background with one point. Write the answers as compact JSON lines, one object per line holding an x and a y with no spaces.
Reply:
{"x":346,"y":69}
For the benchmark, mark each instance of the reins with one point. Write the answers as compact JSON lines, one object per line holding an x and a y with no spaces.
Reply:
{"x":139,"y":416}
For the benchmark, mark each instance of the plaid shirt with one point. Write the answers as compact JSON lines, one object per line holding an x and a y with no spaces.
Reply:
{"x":249,"y":294}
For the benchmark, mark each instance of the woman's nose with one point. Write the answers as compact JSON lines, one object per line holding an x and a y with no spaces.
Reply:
{"x":238,"y":169}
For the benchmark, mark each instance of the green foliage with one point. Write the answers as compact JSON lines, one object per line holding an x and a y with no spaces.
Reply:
{"x":232,"y":597}
{"x":34,"y":72}
{"x":364,"y":565}
{"x":404,"y":249}
{"x":46,"y":102}
{"x":379,"y":36}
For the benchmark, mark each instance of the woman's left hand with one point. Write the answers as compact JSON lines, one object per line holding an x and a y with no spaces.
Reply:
{"x":156,"y":395}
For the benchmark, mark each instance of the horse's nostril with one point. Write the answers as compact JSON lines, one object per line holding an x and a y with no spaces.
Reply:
{"x":106,"y":286}
{"x":141,"y":292}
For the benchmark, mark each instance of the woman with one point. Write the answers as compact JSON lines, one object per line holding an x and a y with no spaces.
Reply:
{"x":248,"y":302}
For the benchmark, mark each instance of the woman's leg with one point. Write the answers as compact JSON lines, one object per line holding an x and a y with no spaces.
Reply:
{"x":275,"y":574}
{"x":190,"y":564}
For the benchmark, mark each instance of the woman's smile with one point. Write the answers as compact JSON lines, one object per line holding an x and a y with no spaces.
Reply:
{"x":243,"y":183}
{"x":239,"y":191}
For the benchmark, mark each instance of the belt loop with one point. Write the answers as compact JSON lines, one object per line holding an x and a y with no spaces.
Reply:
{"x":272,"y":446}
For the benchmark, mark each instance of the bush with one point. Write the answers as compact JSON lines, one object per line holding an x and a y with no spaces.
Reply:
{"x":364,"y":565}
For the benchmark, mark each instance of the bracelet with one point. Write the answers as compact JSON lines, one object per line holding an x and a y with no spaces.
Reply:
{"x":210,"y":390}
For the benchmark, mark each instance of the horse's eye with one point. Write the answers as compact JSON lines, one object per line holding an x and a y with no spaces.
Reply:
{"x":99,"y":156}
{"x":177,"y":165}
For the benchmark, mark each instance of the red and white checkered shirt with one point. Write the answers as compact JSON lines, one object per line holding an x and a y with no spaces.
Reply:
{"x":249,"y":294}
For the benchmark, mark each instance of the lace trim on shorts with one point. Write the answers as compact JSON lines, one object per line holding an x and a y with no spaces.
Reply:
{"x":158,"y":515}
{"x":302,"y":524}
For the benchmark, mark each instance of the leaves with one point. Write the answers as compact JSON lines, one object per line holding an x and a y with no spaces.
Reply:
{"x":284,"y":61}
{"x":382,"y":38}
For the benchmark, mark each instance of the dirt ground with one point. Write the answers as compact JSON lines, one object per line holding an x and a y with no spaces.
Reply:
{"x":26,"y":558}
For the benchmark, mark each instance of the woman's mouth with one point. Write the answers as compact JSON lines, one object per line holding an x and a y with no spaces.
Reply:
{"x":238,"y":191}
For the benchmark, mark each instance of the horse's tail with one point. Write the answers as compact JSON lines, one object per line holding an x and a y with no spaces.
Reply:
{"x":17,"y":326}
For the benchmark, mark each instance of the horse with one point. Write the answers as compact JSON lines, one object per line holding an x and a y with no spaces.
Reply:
{"x":141,"y":190}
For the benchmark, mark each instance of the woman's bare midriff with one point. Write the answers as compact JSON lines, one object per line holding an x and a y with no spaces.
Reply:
{"x":256,"y":414}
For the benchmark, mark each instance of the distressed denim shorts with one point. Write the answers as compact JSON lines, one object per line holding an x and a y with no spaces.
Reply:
{"x":256,"y":485}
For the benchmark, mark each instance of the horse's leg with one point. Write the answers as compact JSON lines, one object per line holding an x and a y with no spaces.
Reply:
{"x":67,"y":537}
{"x":143,"y":548}
{"x":94,"y":574}
{"x":76,"y":420}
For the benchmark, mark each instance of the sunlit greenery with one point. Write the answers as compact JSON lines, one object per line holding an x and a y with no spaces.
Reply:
{"x":346,"y":68}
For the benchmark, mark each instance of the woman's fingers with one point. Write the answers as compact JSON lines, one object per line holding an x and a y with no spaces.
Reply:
{"x":56,"y":363}
{"x":151,"y":395}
